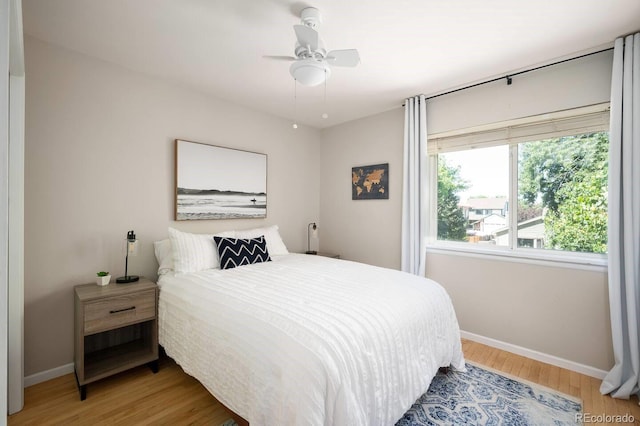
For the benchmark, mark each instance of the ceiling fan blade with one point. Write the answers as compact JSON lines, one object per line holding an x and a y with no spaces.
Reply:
{"x":343,"y":58}
{"x":306,"y":36}
{"x":281,"y":58}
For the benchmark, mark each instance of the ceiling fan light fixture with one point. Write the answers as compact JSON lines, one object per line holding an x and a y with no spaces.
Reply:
{"x":310,"y":72}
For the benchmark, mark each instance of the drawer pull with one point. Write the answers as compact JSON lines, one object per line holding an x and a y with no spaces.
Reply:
{"x":122,"y":310}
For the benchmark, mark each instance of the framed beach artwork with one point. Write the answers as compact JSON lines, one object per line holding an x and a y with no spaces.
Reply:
{"x":370,"y":182}
{"x":214,"y":182}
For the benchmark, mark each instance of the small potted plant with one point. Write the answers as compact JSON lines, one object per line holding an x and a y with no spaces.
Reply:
{"x":103,"y":278}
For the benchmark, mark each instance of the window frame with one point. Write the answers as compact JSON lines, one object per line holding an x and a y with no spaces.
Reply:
{"x":465,"y":139}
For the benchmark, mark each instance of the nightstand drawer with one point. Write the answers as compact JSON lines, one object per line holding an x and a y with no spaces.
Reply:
{"x":117,"y":311}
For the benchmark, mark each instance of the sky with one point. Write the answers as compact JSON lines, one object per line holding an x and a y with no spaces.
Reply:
{"x":486,"y":170}
{"x":202,"y":166}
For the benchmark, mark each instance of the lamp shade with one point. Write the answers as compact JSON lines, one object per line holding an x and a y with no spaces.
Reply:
{"x":310,"y":72}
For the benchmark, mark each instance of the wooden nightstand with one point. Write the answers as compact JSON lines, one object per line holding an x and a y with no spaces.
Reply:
{"x":116,"y":328}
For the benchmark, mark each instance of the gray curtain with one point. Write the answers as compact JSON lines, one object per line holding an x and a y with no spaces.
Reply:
{"x":414,"y":186}
{"x":624,"y":219}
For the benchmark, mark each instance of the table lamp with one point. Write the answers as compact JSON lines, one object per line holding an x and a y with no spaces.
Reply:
{"x":132,"y":249}
{"x":311,"y":226}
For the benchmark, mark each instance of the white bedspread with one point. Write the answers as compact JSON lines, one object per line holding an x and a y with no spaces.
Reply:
{"x":308,"y":340}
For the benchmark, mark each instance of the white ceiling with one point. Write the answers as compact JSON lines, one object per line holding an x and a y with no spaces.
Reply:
{"x":407,"y":47}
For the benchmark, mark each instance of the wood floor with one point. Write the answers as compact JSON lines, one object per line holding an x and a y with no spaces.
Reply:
{"x":139,"y":397}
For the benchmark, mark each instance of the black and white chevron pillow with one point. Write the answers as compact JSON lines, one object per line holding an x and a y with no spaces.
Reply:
{"x":234,"y":252}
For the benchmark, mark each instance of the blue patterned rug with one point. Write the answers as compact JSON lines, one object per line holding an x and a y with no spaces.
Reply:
{"x":483,"y":397}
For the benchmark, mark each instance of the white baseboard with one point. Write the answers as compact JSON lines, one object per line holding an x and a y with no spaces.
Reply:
{"x":43,"y":376}
{"x":538,"y":356}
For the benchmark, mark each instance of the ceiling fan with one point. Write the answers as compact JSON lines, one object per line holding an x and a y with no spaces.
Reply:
{"x":312,"y":63}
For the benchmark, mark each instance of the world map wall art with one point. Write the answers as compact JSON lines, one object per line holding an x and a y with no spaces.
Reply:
{"x":370,"y":182}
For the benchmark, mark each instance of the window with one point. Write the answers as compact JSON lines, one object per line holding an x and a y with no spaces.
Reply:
{"x":536,"y":186}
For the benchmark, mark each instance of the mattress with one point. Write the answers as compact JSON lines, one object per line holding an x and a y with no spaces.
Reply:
{"x":309,"y":340}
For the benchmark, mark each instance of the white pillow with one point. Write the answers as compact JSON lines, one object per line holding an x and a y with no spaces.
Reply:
{"x":194,"y":252}
{"x":275,"y":245}
{"x":164,"y":256}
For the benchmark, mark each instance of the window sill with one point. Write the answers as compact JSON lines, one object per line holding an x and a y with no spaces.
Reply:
{"x":590,"y":262}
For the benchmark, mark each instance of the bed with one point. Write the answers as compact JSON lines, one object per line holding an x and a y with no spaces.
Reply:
{"x":305,"y":340}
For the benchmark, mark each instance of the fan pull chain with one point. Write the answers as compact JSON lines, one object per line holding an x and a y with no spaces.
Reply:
{"x":324,"y":114}
{"x":295,"y":103}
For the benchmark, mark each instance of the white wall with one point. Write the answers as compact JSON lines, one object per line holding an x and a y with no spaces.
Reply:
{"x":99,"y":162}
{"x":556,"y":311}
{"x":4,"y":199}
{"x":364,"y":230}
{"x":16,"y":243}
{"x":581,"y":82}
{"x":15,"y":320}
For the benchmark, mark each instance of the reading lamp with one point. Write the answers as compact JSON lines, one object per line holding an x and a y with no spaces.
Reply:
{"x":132,"y":248}
{"x":311,"y":226}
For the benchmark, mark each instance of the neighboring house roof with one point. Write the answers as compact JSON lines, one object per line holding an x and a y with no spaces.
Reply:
{"x":532,"y":228}
{"x":492,"y":218}
{"x":488,"y":224}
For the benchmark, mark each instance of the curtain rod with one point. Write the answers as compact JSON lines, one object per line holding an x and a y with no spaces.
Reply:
{"x":510,"y":76}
